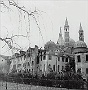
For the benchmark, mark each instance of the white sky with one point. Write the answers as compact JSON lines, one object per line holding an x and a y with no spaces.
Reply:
{"x":51,"y":16}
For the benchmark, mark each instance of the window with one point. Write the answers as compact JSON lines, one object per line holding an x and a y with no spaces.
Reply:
{"x":37,"y":59}
{"x":66,"y":59}
{"x":66,"y":29}
{"x":58,"y":68}
{"x":18,"y":65}
{"x":44,"y":57}
{"x":44,"y":67}
{"x":78,"y":58}
{"x":49,"y":65}
{"x":62,"y":67}
{"x":24,"y":65}
{"x":21,"y":58}
{"x":62,"y":59}
{"x":86,"y":70}
{"x":32,"y":62}
{"x":79,"y":70}
{"x":41,"y":56}
{"x":50,"y":57}
{"x":28,"y":64}
{"x":32,"y":70}
{"x":58,"y":58}
{"x":86,"y":57}
{"x":14,"y":67}
{"x":27,"y":70}
{"x":53,"y":67}
{"x":24,"y":57}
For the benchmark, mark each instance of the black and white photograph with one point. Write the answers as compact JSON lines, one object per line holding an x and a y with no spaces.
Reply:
{"x":43,"y":45}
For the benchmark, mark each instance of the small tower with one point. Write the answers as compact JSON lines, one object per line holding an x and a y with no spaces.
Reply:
{"x":66,"y":32}
{"x":81,"y":34}
{"x":60,"y":41}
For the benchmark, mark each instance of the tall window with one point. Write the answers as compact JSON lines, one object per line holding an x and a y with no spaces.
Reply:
{"x":32,"y":62}
{"x":28,"y":64}
{"x":66,"y":59}
{"x":44,"y":67}
{"x":53,"y":67}
{"x":62,"y":59}
{"x":37,"y":59}
{"x":44,"y":57}
{"x":78,"y":58}
{"x":58,"y":68}
{"x":41,"y":56}
{"x":62,"y":67}
{"x":50,"y":57}
{"x":58,"y":58}
{"x":86,"y":70}
{"x":86,"y":57}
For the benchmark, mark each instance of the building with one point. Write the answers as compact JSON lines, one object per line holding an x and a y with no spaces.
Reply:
{"x":4,"y":64}
{"x":54,"y":56}
{"x":24,"y":61}
{"x":81,"y":54}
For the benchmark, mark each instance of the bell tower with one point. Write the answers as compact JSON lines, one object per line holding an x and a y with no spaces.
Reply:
{"x":81,"y":34}
{"x":66,"y":32}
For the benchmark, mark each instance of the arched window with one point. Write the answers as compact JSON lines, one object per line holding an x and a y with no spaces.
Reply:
{"x":32,"y":62}
{"x":78,"y":58}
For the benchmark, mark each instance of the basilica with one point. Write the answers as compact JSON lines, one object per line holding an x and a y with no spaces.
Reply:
{"x":54,"y":56}
{"x":67,"y":48}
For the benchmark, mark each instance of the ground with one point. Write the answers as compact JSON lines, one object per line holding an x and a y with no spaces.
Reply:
{"x":15,"y":86}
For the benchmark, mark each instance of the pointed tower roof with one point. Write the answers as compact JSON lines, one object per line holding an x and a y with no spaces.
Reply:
{"x":60,"y":39}
{"x":80,"y":28}
{"x":60,"y":34}
{"x":66,"y":22}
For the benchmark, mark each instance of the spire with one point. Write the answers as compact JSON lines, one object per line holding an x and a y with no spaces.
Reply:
{"x":80,"y":28}
{"x":60,"y":39}
{"x":66,"y":32}
{"x":66,"y":22}
{"x":60,"y":31}
{"x":81,"y":33}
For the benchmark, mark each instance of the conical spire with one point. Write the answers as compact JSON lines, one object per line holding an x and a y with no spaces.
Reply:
{"x":66,"y":22}
{"x":81,"y":33}
{"x":60,"y":31}
{"x":60,"y":39}
{"x":80,"y":28}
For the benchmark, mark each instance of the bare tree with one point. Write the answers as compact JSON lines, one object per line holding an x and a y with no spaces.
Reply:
{"x":9,"y":40}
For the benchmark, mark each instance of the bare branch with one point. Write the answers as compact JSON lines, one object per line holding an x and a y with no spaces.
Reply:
{"x":2,"y":3}
{"x":4,"y":45}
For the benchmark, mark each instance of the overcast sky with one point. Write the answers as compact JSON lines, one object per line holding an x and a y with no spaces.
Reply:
{"x":51,"y":16}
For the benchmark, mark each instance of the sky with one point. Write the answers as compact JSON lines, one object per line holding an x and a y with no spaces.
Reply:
{"x":50,"y":16}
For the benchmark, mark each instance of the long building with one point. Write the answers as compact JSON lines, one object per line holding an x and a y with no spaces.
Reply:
{"x":54,"y":56}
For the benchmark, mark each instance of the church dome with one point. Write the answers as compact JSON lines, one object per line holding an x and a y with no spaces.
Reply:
{"x":80,"y":44}
{"x":71,"y":42}
{"x":50,"y":45}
